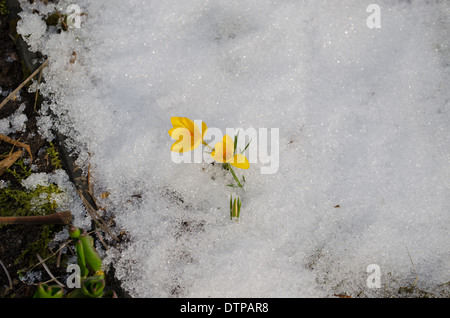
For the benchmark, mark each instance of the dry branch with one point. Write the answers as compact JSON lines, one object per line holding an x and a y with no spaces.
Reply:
{"x":17,"y":143}
{"x":55,"y":218}
{"x":48,"y":271}
{"x":9,"y":160}
{"x":14,"y":92}
{"x":95,"y":216}
{"x":7,"y":275}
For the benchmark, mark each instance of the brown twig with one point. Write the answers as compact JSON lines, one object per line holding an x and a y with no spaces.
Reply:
{"x":16,"y":143}
{"x":7,"y":275}
{"x":53,"y":254}
{"x":100,"y":238}
{"x":14,"y":92}
{"x":95,"y":216}
{"x":58,"y":259}
{"x":414,"y":267}
{"x":55,"y":218}
{"x":9,"y":161}
{"x":37,"y":90}
{"x":62,"y":20}
{"x":48,"y":270}
{"x":89,"y":183}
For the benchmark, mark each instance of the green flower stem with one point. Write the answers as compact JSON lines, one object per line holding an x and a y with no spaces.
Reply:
{"x":210,"y":148}
{"x":234,"y":175}
{"x":92,"y":259}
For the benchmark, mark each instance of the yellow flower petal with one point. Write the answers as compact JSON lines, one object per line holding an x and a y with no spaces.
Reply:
{"x":187,"y":133}
{"x":183,"y":142}
{"x":189,"y":124}
{"x":217,"y":153}
{"x":223,"y":150}
{"x":204,"y":129}
{"x":239,"y":161}
{"x":228,"y":148}
{"x":177,"y":121}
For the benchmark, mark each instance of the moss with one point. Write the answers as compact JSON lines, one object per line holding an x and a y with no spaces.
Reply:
{"x":57,"y":19}
{"x":3,"y":8}
{"x":17,"y":201}
{"x":54,"y":156}
{"x":40,"y":201}
{"x":39,"y":246}
{"x":22,"y":202}
{"x":52,"y":19}
{"x":19,"y":171}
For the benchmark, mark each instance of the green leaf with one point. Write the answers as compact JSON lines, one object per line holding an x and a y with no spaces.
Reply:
{"x":235,"y":207}
{"x":235,"y":142}
{"x":231,"y":207}
{"x":235,"y":178}
{"x":239,"y":207}
{"x":48,"y":291}
{"x":246,"y":146}
{"x":93,"y":286}
{"x":84,"y":271}
{"x":93,"y":260}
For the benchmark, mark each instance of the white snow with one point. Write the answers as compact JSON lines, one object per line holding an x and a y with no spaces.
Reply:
{"x":363,"y":119}
{"x":15,"y":122}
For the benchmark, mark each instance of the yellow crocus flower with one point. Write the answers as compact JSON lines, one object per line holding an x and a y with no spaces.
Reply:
{"x":187,"y":134}
{"x":224,"y":152}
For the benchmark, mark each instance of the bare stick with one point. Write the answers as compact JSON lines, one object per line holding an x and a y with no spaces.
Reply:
{"x":58,"y":259}
{"x":61,"y":18}
{"x":7,"y":275}
{"x":96,"y":217}
{"x":37,"y":90}
{"x":101,"y":239}
{"x":9,"y":161}
{"x":48,"y":271}
{"x":17,"y":143}
{"x":14,"y":92}
{"x":55,"y":218}
{"x":414,"y":267}
{"x":53,"y":254}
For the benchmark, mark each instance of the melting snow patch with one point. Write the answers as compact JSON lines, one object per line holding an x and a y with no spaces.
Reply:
{"x":364,"y":140}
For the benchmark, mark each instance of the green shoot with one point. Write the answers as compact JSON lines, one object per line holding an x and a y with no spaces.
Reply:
{"x":235,"y":207}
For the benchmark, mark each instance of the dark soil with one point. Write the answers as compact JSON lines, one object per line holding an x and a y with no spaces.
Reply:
{"x":19,"y":243}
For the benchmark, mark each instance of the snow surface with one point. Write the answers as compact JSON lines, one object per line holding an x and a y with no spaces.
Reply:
{"x":363,"y":118}
{"x":15,"y":122}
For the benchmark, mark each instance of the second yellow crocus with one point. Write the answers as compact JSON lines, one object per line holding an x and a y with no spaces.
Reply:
{"x":224,"y":152}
